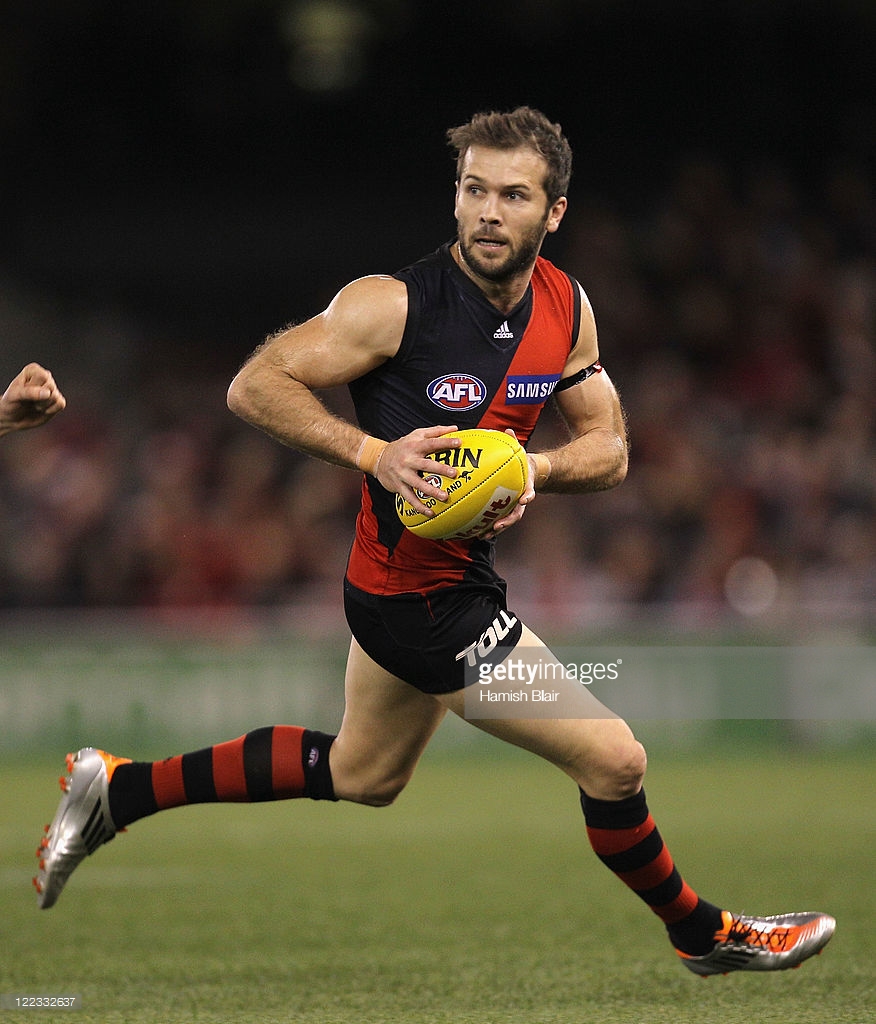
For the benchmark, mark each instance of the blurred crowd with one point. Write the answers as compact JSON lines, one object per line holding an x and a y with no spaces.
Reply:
{"x":737,"y":316}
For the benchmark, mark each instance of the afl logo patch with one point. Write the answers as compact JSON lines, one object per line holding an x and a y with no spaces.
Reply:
{"x":457,"y":392}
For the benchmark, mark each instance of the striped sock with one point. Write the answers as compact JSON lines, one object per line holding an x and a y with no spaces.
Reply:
{"x":624,"y":837}
{"x":278,"y":762}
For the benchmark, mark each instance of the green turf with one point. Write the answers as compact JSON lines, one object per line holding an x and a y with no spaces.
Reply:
{"x":474,"y":899}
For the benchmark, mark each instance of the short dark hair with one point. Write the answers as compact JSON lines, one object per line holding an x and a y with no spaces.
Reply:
{"x":523,"y":126}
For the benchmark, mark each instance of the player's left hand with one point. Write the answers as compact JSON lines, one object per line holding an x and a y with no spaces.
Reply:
{"x":516,"y":513}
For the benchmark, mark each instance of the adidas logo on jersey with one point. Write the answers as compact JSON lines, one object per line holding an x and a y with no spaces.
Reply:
{"x":504,"y":332}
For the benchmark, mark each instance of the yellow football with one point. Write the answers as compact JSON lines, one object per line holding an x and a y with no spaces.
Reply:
{"x":492,"y":472}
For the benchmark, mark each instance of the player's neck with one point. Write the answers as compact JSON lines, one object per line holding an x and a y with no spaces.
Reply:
{"x":504,"y":295}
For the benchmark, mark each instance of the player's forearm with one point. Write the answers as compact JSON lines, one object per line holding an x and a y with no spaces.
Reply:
{"x":596,"y":461}
{"x":289,"y":412}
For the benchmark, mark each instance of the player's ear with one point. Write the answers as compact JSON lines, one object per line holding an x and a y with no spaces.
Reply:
{"x":555,"y":214}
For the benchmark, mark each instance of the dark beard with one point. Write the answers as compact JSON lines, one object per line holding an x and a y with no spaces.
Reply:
{"x":521,"y":260}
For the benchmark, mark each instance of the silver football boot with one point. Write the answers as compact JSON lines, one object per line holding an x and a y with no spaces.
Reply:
{"x":81,"y":824}
{"x":762,"y":943}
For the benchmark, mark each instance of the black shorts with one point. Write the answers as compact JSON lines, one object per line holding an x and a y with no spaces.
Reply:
{"x":434,"y":641}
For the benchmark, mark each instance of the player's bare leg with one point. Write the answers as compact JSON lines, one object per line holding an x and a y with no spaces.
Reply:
{"x":597,"y":749}
{"x":385,"y":728}
{"x":601,"y":754}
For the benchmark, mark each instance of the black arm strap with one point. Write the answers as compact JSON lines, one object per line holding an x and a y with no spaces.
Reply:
{"x":576,"y":378}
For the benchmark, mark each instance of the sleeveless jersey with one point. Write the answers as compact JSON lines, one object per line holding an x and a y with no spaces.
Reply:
{"x":460,"y":361}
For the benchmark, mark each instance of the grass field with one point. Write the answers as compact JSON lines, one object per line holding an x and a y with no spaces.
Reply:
{"x":475,"y":898}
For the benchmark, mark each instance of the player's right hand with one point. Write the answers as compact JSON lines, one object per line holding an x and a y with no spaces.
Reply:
{"x":405,"y":465}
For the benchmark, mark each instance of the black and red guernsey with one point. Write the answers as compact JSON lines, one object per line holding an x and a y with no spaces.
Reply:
{"x":460,"y":361}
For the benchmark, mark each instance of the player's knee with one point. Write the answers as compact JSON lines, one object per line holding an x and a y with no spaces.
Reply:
{"x":629,"y":773}
{"x":378,"y":791}
{"x":379,"y":796}
{"x":619,"y":770}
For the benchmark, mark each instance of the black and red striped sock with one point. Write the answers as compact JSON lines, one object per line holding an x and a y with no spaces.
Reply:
{"x":624,"y":837}
{"x":278,"y":762}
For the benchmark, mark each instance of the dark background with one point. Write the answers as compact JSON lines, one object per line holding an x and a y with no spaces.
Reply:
{"x":194,"y":161}
{"x":180,"y":179}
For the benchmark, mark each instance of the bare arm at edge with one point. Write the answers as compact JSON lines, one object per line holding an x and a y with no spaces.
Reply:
{"x":31,"y":399}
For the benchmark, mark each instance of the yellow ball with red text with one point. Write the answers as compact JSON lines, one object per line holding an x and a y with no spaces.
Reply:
{"x":492,"y":471}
